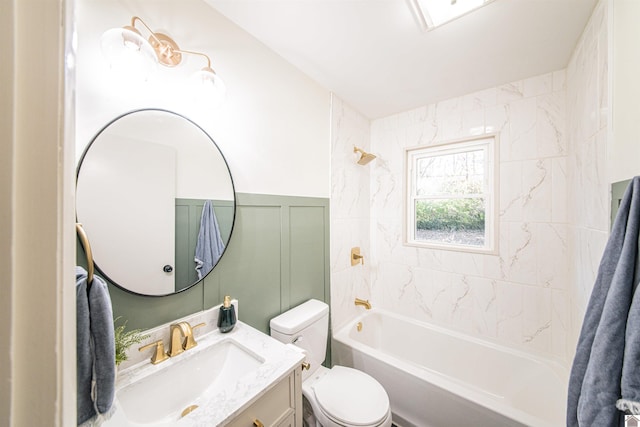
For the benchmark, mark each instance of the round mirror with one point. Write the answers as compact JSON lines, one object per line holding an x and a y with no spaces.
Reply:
{"x":156,"y":199}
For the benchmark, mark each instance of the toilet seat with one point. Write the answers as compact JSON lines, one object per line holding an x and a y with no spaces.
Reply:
{"x":351,"y":397}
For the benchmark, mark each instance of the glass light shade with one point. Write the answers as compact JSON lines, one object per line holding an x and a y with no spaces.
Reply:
{"x":208,"y":87}
{"x":128,"y":53}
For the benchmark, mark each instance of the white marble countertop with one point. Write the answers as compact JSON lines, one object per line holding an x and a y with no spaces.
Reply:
{"x":220,"y":407}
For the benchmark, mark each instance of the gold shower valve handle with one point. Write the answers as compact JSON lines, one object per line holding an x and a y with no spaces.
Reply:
{"x":356,"y":258}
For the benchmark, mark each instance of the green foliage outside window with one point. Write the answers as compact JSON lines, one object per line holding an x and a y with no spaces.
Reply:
{"x":450,"y":214}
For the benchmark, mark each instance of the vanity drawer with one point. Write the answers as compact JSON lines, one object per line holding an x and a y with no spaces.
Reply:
{"x":275,"y":408}
{"x":289,"y":421}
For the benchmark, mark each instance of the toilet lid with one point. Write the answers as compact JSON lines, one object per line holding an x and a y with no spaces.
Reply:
{"x":352,"y":397}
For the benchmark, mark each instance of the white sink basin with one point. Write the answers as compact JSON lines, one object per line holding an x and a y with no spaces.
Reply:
{"x":161,"y":397}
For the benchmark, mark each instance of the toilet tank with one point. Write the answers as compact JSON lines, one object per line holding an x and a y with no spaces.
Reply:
{"x":306,"y":326}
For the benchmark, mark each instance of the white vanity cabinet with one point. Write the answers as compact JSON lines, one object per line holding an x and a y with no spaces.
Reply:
{"x":241,"y":378}
{"x":280,"y":406}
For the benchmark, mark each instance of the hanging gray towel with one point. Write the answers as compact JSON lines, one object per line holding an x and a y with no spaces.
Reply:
{"x":96,"y":354}
{"x":606,"y":367}
{"x":209,"y":247}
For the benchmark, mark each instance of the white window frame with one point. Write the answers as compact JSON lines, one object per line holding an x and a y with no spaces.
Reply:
{"x":489,"y":143}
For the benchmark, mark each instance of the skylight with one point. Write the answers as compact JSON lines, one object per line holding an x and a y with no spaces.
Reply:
{"x":433,"y":13}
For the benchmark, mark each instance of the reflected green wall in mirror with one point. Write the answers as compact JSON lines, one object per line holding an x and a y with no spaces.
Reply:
{"x":278,"y":258}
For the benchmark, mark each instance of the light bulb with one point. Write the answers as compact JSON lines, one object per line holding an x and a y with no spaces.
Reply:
{"x":128,"y":53}
{"x":208,"y":88}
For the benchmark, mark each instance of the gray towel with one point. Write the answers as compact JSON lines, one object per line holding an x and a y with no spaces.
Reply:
{"x":606,"y":367}
{"x":96,"y":354}
{"x":209,"y":246}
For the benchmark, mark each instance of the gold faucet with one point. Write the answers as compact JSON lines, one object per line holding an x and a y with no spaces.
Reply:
{"x":178,"y":332}
{"x":182,"y":338}
{"x":365,"y":303}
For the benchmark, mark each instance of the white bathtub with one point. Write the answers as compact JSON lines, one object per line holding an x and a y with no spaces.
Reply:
{"x":439,"y":378}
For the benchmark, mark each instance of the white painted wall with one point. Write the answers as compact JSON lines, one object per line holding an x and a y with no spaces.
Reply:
{"x":624,"y":145}
{"x":37,"y":239}
{"x":274,"y":126}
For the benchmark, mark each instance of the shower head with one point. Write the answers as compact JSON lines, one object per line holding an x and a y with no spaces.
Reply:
{"x":365,"y":157}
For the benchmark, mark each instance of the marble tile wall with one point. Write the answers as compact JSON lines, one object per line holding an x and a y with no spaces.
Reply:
{"x":519,"y":296}
{"x":587,"y":137}
{"x":349,"y":210}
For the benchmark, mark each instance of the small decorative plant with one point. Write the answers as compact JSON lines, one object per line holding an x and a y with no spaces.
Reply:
{"x":124,"y":340}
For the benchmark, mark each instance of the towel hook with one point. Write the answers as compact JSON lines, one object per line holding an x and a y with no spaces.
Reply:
{"x":87,"y":250}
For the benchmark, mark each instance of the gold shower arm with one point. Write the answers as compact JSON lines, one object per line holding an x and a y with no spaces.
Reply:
{"x":87,"y":250}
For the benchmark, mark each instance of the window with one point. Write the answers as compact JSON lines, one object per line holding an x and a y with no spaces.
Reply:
{"x":433,"y":13}
{"x":451,"y":195}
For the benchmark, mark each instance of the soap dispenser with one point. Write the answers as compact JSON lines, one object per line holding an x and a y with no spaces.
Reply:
{"x":226,"y":316}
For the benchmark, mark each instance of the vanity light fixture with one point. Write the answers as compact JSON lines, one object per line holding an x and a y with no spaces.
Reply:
{"x":126,"y":46}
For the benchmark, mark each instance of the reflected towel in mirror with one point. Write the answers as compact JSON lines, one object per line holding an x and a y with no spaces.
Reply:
{"x":209,"y":246}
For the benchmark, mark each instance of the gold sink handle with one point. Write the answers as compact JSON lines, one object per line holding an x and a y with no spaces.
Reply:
{"x":159,"y":355}
{"x":189,"y":341}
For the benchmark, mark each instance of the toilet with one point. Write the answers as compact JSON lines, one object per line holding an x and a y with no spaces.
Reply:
{"x":336,"y":397}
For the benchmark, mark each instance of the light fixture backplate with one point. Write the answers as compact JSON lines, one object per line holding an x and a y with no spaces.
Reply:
{"x":166,"y":49}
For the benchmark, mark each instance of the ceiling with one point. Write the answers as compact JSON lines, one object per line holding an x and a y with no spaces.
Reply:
{"x":375,"y":57}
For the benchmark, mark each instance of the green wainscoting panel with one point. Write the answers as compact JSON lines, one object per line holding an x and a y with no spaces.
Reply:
{"x":278,"y":257}
{"x":251,"y":273}
{"x":308,"y":252}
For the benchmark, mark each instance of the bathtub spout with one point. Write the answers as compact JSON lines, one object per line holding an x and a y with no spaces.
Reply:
{"x":365,"y":303}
